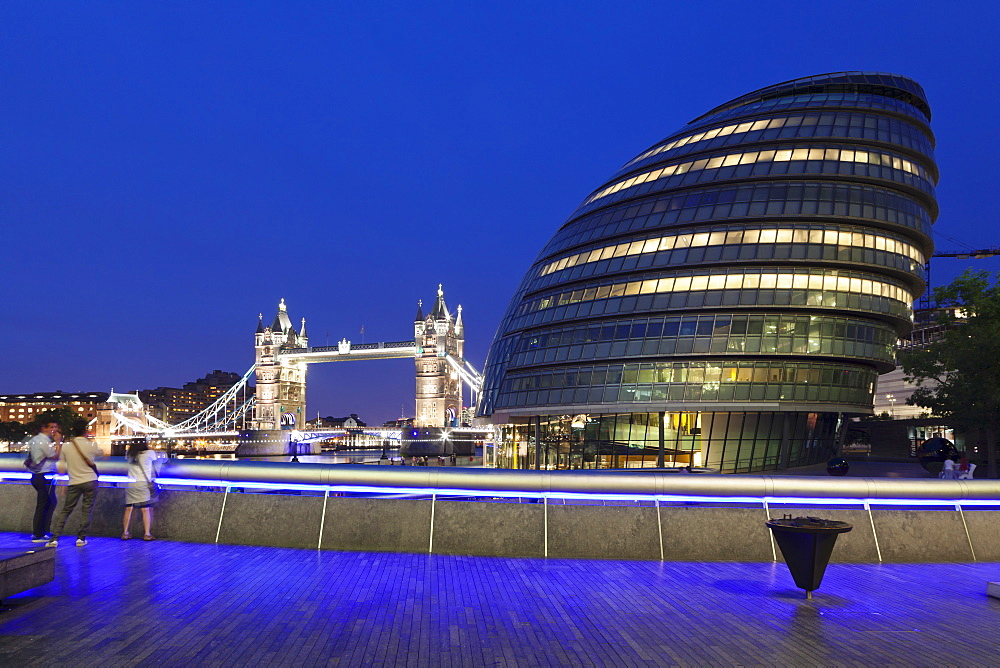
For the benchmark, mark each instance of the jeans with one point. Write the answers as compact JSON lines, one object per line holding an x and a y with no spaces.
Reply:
{"x":45,"y":503}
{"x":88,"y":490}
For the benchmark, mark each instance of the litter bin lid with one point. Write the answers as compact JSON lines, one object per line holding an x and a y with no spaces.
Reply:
{"x":809,"y":525}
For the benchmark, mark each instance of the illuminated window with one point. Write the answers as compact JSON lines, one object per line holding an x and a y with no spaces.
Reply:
{"x":766,"y":280}
{"x":784,"y":234}
{"x":903,"y":132}
{"x":781,"y":155}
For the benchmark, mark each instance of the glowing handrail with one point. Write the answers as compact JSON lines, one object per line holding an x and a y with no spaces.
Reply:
{"x":622,"y":485}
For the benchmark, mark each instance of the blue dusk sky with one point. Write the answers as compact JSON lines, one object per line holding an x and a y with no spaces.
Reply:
{"x":168,"y":170}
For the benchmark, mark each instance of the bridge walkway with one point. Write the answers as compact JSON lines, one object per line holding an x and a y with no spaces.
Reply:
{"x":179,"y":604}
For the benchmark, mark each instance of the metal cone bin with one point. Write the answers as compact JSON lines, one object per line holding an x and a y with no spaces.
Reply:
{"x":806,"y":543}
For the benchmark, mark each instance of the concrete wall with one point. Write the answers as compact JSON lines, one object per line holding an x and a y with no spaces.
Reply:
{"x":442,"y":525}
{"x":859,"y":545}
{"x":21,"y":570}
{"x":715,"y":534}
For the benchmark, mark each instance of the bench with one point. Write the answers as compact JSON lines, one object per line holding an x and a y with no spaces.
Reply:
{"x":21,"y":570}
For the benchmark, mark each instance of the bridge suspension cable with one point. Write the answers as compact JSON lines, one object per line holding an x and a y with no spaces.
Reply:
{"x":466,"y":372}
{"x":222,"y":415}
{"x":223,"y":412}
{"x":136,"y":426}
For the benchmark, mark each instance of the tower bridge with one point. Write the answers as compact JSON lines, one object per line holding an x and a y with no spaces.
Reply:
{"x":276,"y":415}
{"x":283,"y":355}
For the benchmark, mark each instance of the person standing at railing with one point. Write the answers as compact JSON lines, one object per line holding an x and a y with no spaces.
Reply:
{"x":43,"y":449}
{"x":77,"y":458}
{"x":141,"y":492}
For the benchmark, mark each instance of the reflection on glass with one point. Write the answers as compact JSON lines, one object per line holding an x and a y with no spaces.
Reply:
{"x":831,"y":281}
{"x":784,"y":155}
{"x":845,"y":238}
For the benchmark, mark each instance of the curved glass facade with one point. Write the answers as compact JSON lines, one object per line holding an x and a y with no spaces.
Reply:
{"x":728,"y":296}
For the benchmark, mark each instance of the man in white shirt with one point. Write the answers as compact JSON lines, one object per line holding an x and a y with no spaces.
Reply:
{"x":43,"y":449}
{"x":78,"y":456}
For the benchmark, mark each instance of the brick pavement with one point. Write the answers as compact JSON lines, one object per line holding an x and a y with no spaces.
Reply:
{"x":170,"y":604}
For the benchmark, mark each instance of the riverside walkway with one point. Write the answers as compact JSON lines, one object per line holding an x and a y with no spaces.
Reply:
{"x":125,"y":603}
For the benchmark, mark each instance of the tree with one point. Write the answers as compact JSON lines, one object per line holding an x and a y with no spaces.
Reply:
{"x":958,"y":376}
{"x":12,"y":432}
{"x":66,"y":418}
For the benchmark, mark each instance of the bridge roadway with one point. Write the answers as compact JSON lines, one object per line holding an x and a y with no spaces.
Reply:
{"x":391,"y":433}
{"x":128,"y":603}
{"x":346,"y":350}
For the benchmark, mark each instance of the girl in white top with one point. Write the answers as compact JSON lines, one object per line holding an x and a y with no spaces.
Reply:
{"x":141,"y":474}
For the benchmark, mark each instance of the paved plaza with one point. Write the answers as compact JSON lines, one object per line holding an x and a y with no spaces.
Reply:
{"x":178,"y":604}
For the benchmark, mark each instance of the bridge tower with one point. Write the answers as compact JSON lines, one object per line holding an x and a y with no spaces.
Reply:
{"x":281,"y":386}
{"x":439,"y":390}
{"x":126,"y":405}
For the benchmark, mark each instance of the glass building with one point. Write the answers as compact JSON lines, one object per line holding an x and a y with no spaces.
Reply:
{"x":730,"y":295}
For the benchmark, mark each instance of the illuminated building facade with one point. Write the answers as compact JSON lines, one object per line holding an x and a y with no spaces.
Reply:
{"x":731,"y":294}
{"x":24,"y":407}
{"x":281,"y":387}
{"x":175,"y":404}
{"x":439,"y":389}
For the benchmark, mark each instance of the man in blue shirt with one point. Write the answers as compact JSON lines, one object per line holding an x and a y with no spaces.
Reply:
{"x":44,"y":449}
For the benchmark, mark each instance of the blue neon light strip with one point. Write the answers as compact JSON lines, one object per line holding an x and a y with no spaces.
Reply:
{"x":514,"y":494}
{"x":62,"y":477}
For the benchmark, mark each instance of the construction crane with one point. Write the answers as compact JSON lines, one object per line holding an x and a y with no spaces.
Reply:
{"x":994,"y":251}
{"x":974,"y":254}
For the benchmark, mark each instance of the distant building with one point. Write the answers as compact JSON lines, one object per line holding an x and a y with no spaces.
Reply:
{"x":399,"y":422}
{"x":24,"y":407}
{"x":893,"y":391}
{"x":354,"y":435}
{"x":468,"y":415}
{"x":350,"y":422}
{"x":175,"y":404}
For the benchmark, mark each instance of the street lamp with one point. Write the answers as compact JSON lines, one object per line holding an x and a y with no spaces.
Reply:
{"x":892,"y":405}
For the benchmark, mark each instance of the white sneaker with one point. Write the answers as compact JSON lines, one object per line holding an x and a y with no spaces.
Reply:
{"x":80,"y":542}
{"x":52,"y":543}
